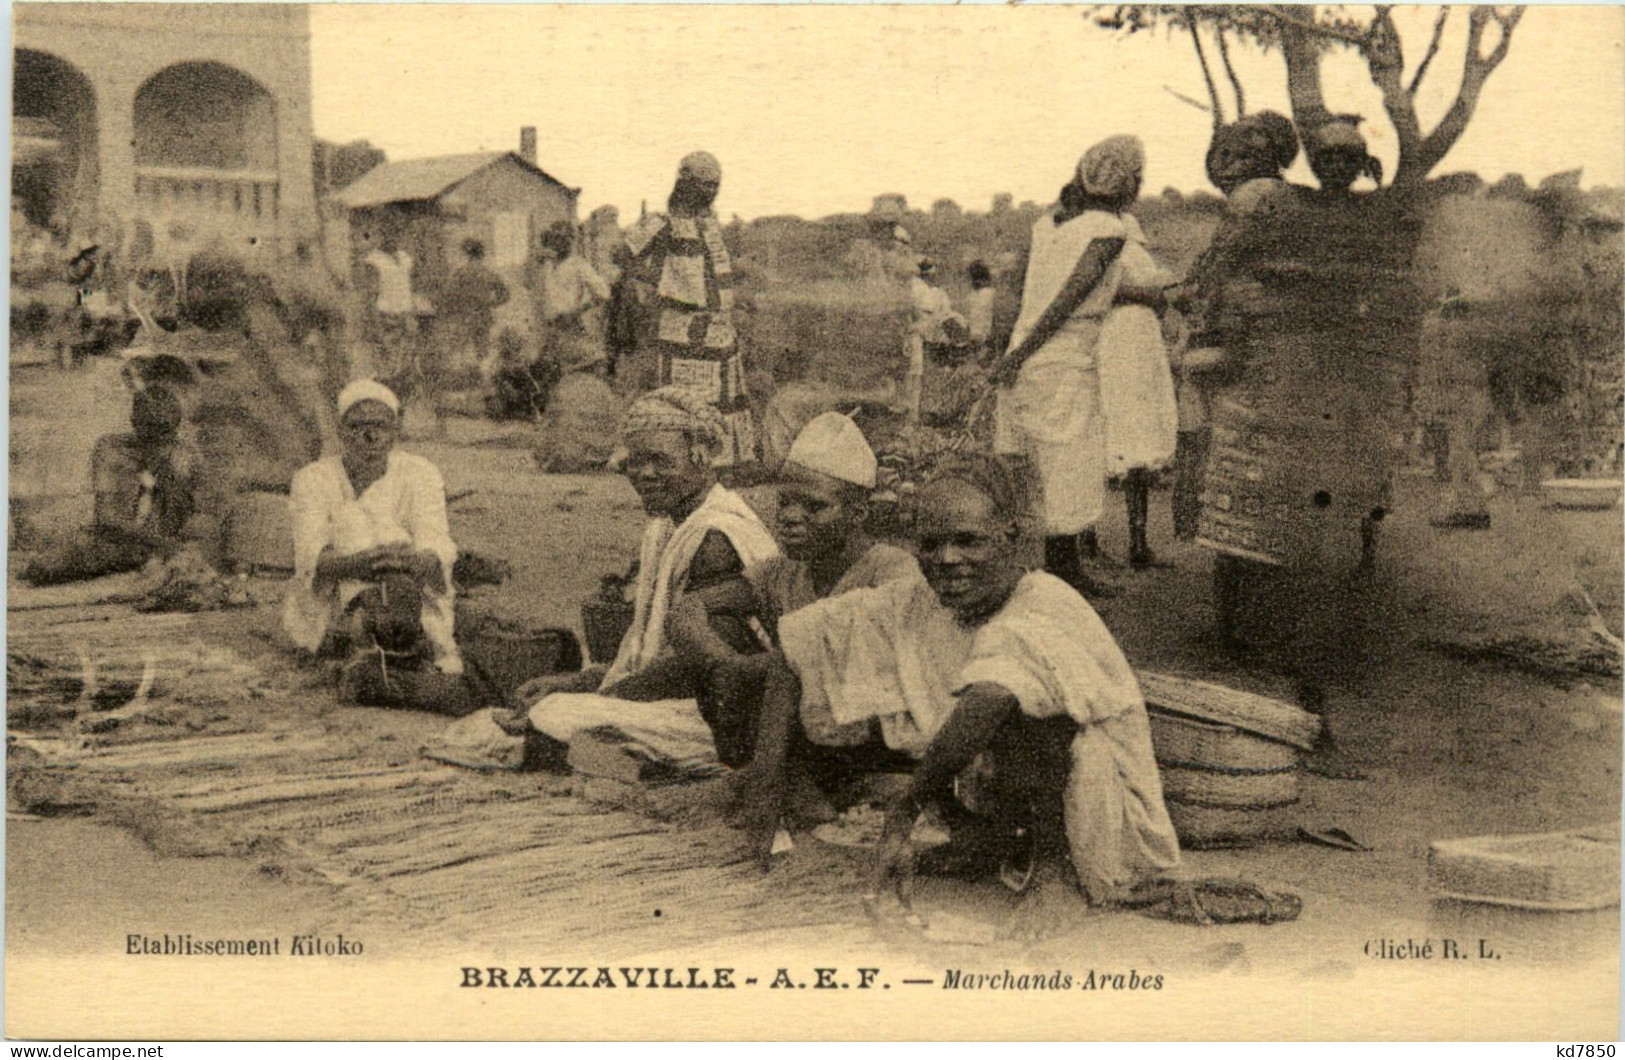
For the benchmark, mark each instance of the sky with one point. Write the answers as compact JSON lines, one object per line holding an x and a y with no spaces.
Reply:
{"x":815,"y":110}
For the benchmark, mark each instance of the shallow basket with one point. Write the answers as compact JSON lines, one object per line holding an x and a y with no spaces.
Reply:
{"x":1250,"y":713}
{"x":1574,"y":870}
{"x":1211,"y":826}
{"x":1181,"y":741}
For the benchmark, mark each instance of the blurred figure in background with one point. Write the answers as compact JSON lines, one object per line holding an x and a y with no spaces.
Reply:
{"x":566,"y":289}
{"x":467,"y":311}
{"x":145,"y":484}
{"x":979,"y":306}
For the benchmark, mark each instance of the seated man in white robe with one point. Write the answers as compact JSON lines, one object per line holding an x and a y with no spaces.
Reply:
{"x":373,"y":558}
{"x":704,"y":545}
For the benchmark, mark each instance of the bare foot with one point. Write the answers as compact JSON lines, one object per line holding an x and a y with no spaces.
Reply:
{"x":1050,"y":904}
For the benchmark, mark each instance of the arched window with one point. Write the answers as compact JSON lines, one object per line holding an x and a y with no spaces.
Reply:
{"x":54,"y":157}
{"x":205,"y":116}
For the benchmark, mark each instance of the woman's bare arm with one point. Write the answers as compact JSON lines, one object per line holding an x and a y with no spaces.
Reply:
{"x":1091,"y":268}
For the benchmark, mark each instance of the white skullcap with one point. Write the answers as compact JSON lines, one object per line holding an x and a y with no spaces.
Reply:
{"x":367,"y":390}
{"x":832,"y":445}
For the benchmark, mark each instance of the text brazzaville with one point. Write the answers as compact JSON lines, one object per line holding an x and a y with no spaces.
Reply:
{"x":603,"y":978}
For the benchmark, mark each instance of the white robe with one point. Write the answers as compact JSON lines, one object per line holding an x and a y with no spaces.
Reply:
{"x":896,"y":654}
{"x":1139,"y":410}
{"x":1052,"y":412}
{"x":406,"y":506}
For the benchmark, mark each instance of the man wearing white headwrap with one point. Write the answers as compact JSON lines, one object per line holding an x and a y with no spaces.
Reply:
{"x":703,"y":548}
{"x":373,"y":557}
{"x":680,"y":272}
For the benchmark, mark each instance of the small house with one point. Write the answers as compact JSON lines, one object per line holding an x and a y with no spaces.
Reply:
{"x":429,"y":206}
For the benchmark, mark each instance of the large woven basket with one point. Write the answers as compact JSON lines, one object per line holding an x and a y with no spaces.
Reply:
{"x":1241,"y":791}
{"x":1250,"y":713}
{"x":1573,"y":870}
{"x":1185,"y":742}
{"x":1205,"y":826}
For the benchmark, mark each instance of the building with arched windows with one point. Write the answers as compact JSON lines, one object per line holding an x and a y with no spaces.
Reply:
{"x":182,"y":124}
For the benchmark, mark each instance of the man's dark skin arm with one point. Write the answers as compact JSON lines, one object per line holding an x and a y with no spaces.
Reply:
{"x":762,"y":788}
{"x":982,"y":710}
{"x":1086,"y":275}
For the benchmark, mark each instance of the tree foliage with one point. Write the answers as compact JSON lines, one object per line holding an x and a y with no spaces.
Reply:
{"x":340,"y":165}
{"x":1303,"y":34}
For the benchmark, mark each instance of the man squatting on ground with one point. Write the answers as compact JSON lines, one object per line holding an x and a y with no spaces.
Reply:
{"x":1025,"y":722}
{"x":146,"y":488}
{"x":373,"y":558}
{"x":823,"y":494}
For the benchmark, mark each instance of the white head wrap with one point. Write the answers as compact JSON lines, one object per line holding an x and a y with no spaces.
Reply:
{"x":1113,"y":167}
{"x":367,"y":390}
{"x":833,"y":445}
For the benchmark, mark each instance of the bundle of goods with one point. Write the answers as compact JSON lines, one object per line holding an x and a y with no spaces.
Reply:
{"x":503,"y":654}
{"x":1229,"y":759}
{"x":1312,"y":299}
{"x":1558,"y":871}
{"x":187,"y":582}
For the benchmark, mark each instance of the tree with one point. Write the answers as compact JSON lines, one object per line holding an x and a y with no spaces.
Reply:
{"x":1303,"y":34}
{"x":340,"y":165}
{"x":945,"y":210}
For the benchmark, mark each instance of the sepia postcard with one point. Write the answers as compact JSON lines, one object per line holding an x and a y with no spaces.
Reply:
{"x":796,"y":522}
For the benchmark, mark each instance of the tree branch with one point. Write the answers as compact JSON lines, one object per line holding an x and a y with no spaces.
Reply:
{"x":1476,"y":69}
{"x":1207,"y":72}
{"x":1302,"y":55}
{"x":1288,"y":13}
{"x":1385,"y":59}
{"x":1433,"y":49}
{"x":1230,"y":72}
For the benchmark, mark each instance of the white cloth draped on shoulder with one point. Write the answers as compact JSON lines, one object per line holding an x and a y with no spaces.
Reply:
{"x":1052,"y":412}
{"x":405,"y":506}
{"x":669,"y":730}
{"x":663,"y":562}
{"x":895,"y":654}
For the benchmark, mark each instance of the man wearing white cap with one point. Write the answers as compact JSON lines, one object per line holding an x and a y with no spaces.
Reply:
{"x":680,"y":269}
{"x":824,"y":493}
{"x":373,"y":557}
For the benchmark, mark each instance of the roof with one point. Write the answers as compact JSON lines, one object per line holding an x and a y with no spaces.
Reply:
{"x":422,"y":179}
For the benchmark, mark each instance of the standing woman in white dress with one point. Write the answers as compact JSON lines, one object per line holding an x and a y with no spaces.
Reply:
{"x":1137,"y":400}
{"x":1049,"y":406}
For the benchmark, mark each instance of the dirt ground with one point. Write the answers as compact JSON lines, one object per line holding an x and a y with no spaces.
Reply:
{"x":107,"y":835}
